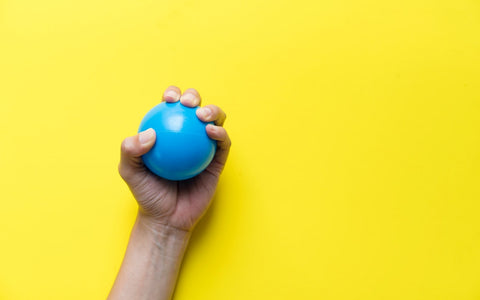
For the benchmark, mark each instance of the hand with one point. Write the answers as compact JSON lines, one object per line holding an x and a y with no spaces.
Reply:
{"x":177,"y":204}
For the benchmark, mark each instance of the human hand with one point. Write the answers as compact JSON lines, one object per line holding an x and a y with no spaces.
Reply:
{"x":177,"y":204}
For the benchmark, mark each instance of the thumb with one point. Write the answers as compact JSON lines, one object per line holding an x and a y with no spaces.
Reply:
{"x":132,"y":149}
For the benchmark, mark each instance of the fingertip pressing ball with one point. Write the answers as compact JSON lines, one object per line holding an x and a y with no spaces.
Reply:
{"x":182,"y":148}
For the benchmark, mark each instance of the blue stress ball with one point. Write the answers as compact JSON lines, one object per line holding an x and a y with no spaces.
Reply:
{"x":182,"y":148}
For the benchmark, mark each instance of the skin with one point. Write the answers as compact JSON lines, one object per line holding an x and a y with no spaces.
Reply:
{"x":168,"y":210}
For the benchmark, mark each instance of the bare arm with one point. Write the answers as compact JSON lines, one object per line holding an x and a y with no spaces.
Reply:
{"x":168,"y":210}
{"x":152,"y":262}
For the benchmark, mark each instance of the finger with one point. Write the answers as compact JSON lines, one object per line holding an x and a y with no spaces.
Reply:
{"x":213,"y":113}
{"x":132,"y":149}
{"x":190,"y":98}
{"x":224,"y":143}
{"x":172,"y":94}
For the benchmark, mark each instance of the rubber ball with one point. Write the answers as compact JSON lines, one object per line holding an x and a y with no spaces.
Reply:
{"x":182,"y":148}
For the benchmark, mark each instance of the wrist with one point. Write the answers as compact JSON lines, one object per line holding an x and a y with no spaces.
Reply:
{"x":152,"y":261}
{"x":160,"y":232}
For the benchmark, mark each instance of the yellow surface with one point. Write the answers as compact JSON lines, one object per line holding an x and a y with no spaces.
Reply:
{"x":355,"y":167}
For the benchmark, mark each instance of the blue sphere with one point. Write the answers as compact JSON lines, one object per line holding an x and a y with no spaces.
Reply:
{"x":182,"y":148}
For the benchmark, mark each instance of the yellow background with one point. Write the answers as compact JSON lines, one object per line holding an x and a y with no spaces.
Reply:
{"x":355,"y":166}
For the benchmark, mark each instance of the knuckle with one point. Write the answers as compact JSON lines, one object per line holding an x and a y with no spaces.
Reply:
{"x":219,"y":113}
{"x":127,"y":146}
{"x":127,"y":172}
{"x":215,"y":111}
{"x":123,"y":173}
{"x":173,"y":87}
{"x":214,"y":108}
{"x":191,"y":90}
{"x":123,"y":146}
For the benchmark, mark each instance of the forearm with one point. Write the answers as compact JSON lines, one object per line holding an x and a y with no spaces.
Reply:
{"x":151,"y":263}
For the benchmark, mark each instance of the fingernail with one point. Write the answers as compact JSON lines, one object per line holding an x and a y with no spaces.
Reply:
{"x":212,"y":127}
{"x":189,"y":98}
{"x":172,"y":95}
{"x":204,"y":112}
{"x":146,"y":136}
